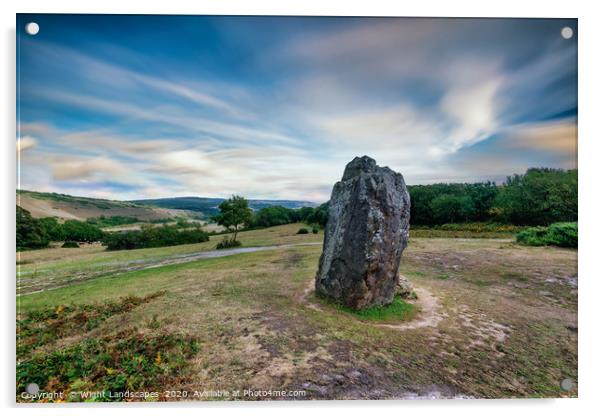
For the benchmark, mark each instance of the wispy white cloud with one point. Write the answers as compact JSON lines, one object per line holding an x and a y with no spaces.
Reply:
{"x":25,"y":142}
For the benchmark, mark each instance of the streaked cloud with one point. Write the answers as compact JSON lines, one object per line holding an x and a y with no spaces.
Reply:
{"x":216,"y":106}
{"x":556,"y":136}
{"x":26,"y":142}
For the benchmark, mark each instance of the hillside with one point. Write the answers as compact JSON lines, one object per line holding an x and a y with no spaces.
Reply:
{"x":42,"y":204}
{"x":208,"y":206}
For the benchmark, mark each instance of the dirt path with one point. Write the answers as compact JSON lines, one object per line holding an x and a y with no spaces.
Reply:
{"x":29,"y":286}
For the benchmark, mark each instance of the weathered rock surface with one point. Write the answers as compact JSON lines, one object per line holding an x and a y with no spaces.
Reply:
{"x":366,"y":233}
{"x":404,"y":287}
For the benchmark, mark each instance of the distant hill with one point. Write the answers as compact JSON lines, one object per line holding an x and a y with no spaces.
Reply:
{"x":44,"y":204}
{"x":209,"y":206}
{"x":68,"y":207}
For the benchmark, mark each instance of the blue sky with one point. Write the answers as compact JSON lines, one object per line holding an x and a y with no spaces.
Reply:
{"x":128,"y":107}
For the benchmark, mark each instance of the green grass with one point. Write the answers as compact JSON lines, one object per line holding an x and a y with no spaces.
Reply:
{"x":56,"y":265}
{"x":396,"y":312}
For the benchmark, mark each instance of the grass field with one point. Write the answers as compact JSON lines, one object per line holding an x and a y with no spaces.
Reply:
{"x":493,"y":319}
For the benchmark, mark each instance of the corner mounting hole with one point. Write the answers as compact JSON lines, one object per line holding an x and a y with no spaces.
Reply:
{"x":566,"y":32}
{"x":32,"y":28}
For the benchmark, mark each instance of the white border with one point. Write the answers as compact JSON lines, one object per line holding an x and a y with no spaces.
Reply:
{"x":590,"y":138}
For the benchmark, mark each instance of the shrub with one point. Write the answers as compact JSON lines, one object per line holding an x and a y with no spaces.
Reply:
{"x":534,"y":236}
{"x":303,"y":231}
{"x":149,"y":236}
{"x":563,"y":234}
{"x":70,"y":244}
{"x":315,"y":229}
{"x":558,"y":234}
{"x":228,"y":243}
{"x":81,"y":231}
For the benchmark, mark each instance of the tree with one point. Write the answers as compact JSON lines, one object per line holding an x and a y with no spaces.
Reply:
{"x":539,"y":197}
{"x":53,"y":229}
{"x":319,"y":215}
{"x":452,"y":208}
{"x":30,"y":233}
{"x":234,"y":214}
{"x":274,"y":215}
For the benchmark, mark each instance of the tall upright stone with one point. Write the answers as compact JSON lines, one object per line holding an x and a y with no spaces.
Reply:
{"x":366,"y":233}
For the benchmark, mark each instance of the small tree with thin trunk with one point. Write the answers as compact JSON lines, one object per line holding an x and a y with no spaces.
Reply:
{"x":234,"y":214}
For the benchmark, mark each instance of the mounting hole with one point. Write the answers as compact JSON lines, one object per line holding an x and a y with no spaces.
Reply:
{"x":32,"y":28}
{"x":566,"y":384}
{"x":32,"y":388}
{"x":566,"y":32}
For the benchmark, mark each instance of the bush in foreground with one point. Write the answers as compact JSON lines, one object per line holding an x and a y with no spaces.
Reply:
{"x":562,"y":234}
{"x":303,"y":231}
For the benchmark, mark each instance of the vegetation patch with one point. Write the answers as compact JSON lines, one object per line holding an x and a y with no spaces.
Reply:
{"x":112,"y":221}
{"x":126,"y":361}
{"x":43,"y":327}
{"x":397,"y":311}
{"x":564,"y":234}
{"x":150,"y":236}
{"x":228,"y":243}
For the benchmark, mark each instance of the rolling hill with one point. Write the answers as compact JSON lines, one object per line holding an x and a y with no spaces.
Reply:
{"x":68,"y":207}
{"x":208,"y":206}
{"x":44,"y":204}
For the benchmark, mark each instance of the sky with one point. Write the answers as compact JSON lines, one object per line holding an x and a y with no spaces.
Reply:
{"x":132,"y":107}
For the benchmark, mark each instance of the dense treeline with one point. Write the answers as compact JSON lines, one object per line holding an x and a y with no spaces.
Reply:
{"x":38,"y":233}
{"x":35,"y":233}
{"x":279,"y":215}
{"x":149,"y":236}
{"x":538,"y":197}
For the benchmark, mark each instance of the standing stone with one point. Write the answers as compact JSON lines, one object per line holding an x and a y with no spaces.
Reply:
{"x":366,"y":232}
